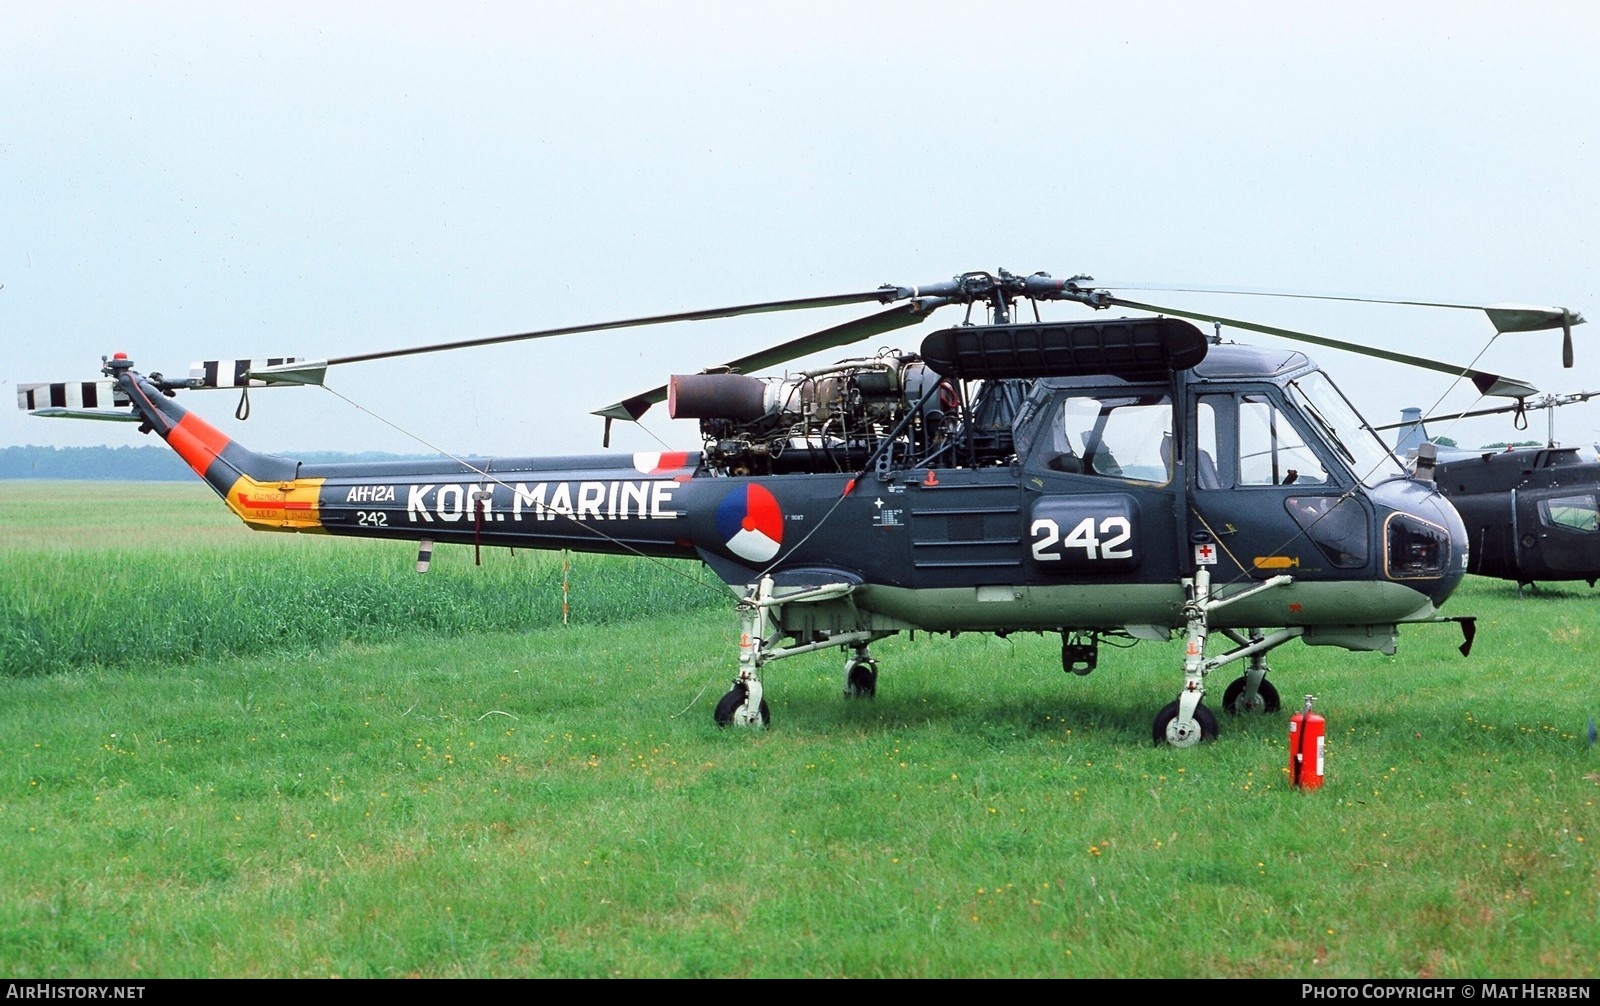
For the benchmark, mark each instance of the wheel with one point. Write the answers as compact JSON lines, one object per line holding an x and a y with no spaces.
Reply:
{"x":1167,"y":732}
{"x":732,"y":701}
{"x":862,"y":681}
{"x":1266,"y":698}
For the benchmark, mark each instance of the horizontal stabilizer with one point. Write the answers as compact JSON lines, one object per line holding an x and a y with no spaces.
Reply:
{"x":246,"y":373}
{"x":106,"y":415}
{"x":74,"y":400}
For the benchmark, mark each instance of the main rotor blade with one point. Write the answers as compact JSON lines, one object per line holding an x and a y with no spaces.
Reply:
{"x":1486,"y":383}
{"x":839,"y":335}
{"x":1504,"y":317}
{"x":765,"y":307}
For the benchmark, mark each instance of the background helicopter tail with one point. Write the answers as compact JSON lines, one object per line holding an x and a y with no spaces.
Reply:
{"x":1412,"y":434}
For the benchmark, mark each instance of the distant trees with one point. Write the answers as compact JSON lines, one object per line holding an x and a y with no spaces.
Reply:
{"x":117,"y":464}
{"x":154,"y":463}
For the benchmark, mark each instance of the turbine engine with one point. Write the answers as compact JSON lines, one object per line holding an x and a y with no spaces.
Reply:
{"x":830,"y":419}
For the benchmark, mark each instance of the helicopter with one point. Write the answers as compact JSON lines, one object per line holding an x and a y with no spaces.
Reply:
{"x":1532,"y":513}
{"x":1120,"y":479}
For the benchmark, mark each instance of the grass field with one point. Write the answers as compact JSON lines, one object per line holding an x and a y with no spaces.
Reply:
{"x":431,"y":776}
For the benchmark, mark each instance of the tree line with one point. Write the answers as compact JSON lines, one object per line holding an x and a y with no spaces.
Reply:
{"x":156,"y":463}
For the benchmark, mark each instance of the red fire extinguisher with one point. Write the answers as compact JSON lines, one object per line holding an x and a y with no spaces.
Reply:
{"x":1306,"y":732}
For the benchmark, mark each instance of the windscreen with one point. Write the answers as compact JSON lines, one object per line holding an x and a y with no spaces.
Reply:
{"x":1347,"y":433}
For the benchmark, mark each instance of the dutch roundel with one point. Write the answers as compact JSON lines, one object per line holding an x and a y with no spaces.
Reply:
{"x":750,"y":523}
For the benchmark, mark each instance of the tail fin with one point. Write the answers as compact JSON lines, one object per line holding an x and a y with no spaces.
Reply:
{"x":1412,"y":434}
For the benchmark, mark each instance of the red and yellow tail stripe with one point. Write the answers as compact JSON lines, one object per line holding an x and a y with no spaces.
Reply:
{"x":280,"y":505}
{"x":276,"y":506}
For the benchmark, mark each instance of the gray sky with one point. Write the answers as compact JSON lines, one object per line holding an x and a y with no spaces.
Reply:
{"x":188,"y":181}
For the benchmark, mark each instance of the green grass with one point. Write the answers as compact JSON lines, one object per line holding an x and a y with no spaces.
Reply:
{"x":127,"y":574}
{"x":556,"y":802}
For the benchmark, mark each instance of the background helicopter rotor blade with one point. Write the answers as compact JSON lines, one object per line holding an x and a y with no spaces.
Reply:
{"x":900,"y":316}
{"x":1542,"y":402}
{"x":1504,"y":317}
{"x":1486,"y":383}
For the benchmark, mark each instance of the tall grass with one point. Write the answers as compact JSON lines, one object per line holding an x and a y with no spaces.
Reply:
{"x":112,"y":575}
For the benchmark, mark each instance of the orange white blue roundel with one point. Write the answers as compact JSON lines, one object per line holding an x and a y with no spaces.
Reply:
{"x":750,"y":523}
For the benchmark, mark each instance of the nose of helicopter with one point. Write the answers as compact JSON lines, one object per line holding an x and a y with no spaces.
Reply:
{"x":1424,"y":540}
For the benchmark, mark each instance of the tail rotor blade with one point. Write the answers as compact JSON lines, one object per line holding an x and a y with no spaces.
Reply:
{"x":102,"y":400}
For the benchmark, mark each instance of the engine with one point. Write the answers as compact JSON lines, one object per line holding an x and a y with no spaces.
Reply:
{"x":831,"y":419}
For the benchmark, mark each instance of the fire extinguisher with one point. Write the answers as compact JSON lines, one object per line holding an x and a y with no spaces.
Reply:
{"x":1306,"y":733}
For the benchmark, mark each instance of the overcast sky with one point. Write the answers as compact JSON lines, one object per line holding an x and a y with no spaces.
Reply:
{"x":192,"y":181}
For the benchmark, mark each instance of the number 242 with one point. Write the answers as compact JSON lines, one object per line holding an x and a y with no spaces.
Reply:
{"x":1109,"y":541}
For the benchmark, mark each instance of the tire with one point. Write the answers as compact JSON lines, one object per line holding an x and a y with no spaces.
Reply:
{"x":862,"y":681}
{"x":1167,"y":718}
{"x":730,"y":704}
{"x":1266,"y":698}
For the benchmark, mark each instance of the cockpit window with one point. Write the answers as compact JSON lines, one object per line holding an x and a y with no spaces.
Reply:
{"x":1574,"y":513}
{"x":1271,"y":450}
{"x":1337,"y":422}
{"x":1118,"y":436}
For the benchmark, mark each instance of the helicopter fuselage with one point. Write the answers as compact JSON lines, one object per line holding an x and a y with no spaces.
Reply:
{"x":1126,"y":477}
{"x":1086,"y":503}
{"x":1531,"y":513}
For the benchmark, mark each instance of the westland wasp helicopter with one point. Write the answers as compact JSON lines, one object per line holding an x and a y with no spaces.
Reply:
{"x":1125,"y":478}
{"x":1532,"y":513}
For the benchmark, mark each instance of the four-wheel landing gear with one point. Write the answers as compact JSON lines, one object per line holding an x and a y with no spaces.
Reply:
{"x":1184,"y":722}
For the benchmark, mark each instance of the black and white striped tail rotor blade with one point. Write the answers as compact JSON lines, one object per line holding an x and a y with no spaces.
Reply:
{"x":224,"y":374}
{"x":76,"y":400}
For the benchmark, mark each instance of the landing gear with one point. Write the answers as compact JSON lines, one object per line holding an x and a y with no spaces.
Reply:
{"x":860,"y":675}
{"x":1185,"y":722}
{"x":1251,"y":692}
{"x":735,"y":708}
{"x":1237,"y":700}
{"x":1169,"y":730}
{"x":762,"y":628}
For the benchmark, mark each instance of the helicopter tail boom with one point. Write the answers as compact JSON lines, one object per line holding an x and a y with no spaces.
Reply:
{"x":263,"y":490}
{"x":632,"y":504}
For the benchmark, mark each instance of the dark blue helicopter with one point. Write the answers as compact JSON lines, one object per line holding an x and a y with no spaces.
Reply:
{"x":1126,"y":478}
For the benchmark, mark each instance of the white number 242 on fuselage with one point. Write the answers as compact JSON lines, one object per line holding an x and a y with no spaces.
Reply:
{"x":1097,"y":538}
